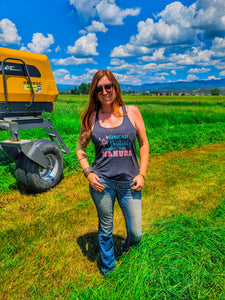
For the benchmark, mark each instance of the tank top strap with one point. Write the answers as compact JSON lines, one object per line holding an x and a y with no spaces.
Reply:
{"x":124,"y":109}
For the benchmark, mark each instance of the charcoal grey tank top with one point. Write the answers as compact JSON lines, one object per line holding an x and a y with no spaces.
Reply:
{"x":115,"y":150}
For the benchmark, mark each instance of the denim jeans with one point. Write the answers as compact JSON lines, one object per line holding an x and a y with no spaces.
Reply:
{"x":130,"y":203}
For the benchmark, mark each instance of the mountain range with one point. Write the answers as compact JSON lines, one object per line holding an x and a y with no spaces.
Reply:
{"x":178,"y":86}
{"x":203,"y":86}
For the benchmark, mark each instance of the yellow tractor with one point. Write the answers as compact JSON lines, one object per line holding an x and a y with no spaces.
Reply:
{"x":27,"y":89}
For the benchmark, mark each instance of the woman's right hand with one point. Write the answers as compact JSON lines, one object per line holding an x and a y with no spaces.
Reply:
{"x":94,"y":182}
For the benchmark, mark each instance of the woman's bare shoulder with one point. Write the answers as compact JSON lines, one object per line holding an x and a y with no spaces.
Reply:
{"x":133,"y":110}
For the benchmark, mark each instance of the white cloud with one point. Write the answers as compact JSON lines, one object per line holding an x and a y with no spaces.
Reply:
{"x":163,"y":74}
{"x":212,"y":77}
{"x":96,"y":27}
{"x":57,"y":49}
{"x":192,"y":77}
{"x":177,"y":13}
{"x":117,"y":62}
{"x":107,"y":11}
{"x":210,"y":17}
{"x":151,"y":33}
{"x":63,"y":76}
{"x":110,"y":13}
{"x":72,"y":61}
{"x":173,"y":27}
{"x":128,"y":79}
{"x":40,"y":44}
{"x":157,"y":55}
{"x":84,"y":46}
{"x":86,"y":8}
{"x":8,"y":33}
{"x":173,"y":72}
{"x":129,"y":50}
{"x":198,"y":70}
{"x":193,"y":57}
{"x":218,"y":46}
{"x":220,"y":65}
{"x":222,"y":73}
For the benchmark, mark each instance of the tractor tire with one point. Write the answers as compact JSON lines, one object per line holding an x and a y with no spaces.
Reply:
{"x":33,"y":178}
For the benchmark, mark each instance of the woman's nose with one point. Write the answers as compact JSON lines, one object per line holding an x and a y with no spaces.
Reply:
{"x":104,"y":92}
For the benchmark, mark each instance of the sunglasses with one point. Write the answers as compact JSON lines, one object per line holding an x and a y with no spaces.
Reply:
{"x":107,"y":88}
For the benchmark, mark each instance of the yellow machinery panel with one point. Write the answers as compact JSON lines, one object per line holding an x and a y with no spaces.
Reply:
{"x":18,"y":87}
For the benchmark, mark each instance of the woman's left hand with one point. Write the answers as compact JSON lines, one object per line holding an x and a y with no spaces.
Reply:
{"x":138,"y":183}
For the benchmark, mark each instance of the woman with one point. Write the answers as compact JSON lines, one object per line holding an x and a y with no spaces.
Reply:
{"x":113,"y":128}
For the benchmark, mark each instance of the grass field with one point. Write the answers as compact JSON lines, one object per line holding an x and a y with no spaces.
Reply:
{"x":48,"y":241}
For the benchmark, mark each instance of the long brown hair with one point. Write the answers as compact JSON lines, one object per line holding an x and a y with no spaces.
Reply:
{"x":94,"y":104}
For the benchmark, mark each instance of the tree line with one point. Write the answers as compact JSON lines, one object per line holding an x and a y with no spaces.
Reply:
{"x":84,"y":88}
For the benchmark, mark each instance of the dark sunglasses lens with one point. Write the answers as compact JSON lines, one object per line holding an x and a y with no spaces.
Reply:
{"x":99,"y":90}
{"x":107,"y":87}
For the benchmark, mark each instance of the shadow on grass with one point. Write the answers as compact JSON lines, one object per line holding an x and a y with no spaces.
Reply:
{"x":89,"y":245}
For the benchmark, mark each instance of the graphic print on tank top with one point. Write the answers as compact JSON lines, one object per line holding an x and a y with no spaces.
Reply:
{"x":116,"y":146}
{"x":115,"y":151}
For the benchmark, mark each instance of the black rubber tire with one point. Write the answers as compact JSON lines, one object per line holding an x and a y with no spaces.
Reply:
{"x":31,"y":177}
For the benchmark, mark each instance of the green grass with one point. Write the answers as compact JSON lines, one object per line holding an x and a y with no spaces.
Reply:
{"x":49,"y":246}
{"x":183,"y":258}
{"x":172,"y":123}
{"x":48,"y":241}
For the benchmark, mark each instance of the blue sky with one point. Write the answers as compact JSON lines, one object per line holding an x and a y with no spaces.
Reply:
{"x":139,"y":41}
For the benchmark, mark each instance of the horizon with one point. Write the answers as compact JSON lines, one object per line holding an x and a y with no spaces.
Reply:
{"x":141,"y":43}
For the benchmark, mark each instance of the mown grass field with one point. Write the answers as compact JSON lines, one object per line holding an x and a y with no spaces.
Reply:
{"x":48,"y":241}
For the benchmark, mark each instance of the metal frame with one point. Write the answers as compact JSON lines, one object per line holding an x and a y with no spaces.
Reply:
{"x":13,"y":125}
{"x":27,"y":74}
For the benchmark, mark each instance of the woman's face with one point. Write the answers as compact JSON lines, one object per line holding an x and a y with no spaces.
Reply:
{"x":106,"y":92}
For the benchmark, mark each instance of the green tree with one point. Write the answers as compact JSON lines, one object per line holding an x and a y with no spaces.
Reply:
{"x":84,"y":88}
{"x":215,"y":92}
{"x":75,"y":91}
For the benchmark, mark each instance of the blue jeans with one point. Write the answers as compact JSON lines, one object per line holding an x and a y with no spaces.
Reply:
{"x":130,"y":203}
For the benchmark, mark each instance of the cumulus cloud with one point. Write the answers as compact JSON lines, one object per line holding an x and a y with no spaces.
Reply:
{"x":110,"y":13}
{"x":210,"y":17}
{"x":192,"y":77}
{"x":129,"y":50}
{"x":218,"y":46}
{"x":96,"y":27}
{"x":63,"y":76}
{"x":84,"y":46}
{"x":199,"y":70}
{"x":222,"y":73}
{"x":107,"y":10}
{"x":86,"y":8}
{"x":72,"y":61}
{"x":166,"y":30}
{"x":40,"y":43}
{"x":178,"y":25}
{"x":177,"y":13}
{"x":151,"y":33}
{"x":193,"y":56}
{"x":172,"y":40}
{"x":158,"y":55}
{"x":8,"y":33}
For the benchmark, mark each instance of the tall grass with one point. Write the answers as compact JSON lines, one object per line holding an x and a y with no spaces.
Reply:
{"x":172,"y":123}
{"x":49,"y":248}
{"x":183,"y":258}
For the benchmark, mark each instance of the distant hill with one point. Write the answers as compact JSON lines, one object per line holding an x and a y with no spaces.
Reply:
{"x":179,"y":86}
{"x":65,"y":87}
